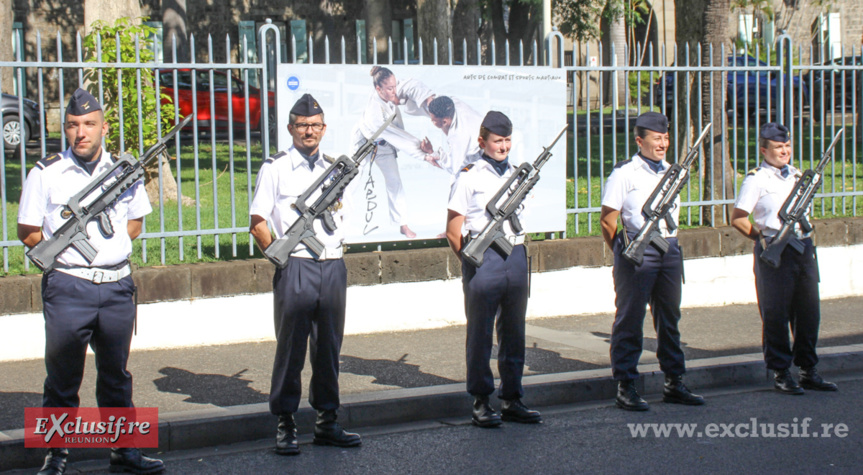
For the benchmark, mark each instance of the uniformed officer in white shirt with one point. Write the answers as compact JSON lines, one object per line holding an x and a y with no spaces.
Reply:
{"x":389,"y":94}
{"x":657,"y":281}
{"x":309,"y":293}
{"x":85,"y":303}
{"x":787,"y":296}
{"x":459,"y":122}
{"x":496,"y":289}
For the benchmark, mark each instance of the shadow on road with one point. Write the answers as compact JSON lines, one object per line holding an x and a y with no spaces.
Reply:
{"x":216,"y":389}
{"x":391,"y":373}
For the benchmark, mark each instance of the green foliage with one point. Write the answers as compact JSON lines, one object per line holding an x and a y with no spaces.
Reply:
{"x":125,"y":31}
{"x":579,"y":19}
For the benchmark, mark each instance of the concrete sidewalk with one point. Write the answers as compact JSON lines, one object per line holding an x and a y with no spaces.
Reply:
{"x":217,"y":394}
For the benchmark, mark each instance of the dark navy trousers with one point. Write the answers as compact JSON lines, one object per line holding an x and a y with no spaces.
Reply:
{"x":657,"y":282}
{"x":309,"y":309}
{"x":497,"y":289}
{"x":788,"y":299}
{"x":80,"y":313}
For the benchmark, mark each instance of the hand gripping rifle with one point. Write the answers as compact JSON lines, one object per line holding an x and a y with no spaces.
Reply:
{"x":516,"y":189}
{"x":332,"y":185}
{"x":659,"y":205}
{"x":93,"y":202}
{"x":794,"y":209}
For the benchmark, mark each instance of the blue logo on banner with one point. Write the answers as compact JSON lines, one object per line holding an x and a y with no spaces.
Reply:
{"x":293,"y":83}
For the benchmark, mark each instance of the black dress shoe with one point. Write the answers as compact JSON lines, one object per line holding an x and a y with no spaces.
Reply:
{"x":516,"y":411}
{"x":133,"y":461}
{"x":784,"y":383}
{"x":810,"y":379}
{"x":286,"y":436}
{"x":329,"y":432}
{"x":55,"y":462}
{"x":674,"y":391}
{"x":628,"y":398}
{"x":483,"y":414}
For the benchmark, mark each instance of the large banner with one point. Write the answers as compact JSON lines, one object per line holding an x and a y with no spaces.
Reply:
{"x":403,"y":193}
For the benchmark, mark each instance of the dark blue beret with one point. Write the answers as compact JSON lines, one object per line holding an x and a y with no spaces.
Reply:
{"x":82,"y":103}
{"x":306,"y":106}
{"x":652,"y":121}
{"x":775,"y":132}
{"x":497,"y":123}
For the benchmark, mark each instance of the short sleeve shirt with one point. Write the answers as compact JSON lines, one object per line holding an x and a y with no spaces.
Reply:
{"x":281,"y":180}
{"x":51,"y":184}
{"x":628,"y":188}
{"x":762,"y":194}
{"x":473,"y":189}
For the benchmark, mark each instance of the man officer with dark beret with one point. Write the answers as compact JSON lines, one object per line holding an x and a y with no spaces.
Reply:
{"x":657,"y":281}
{"x":85,"y":303}
{"x":787,"y":296}
{"x":497,"y":289}
{"x":309,"y":293}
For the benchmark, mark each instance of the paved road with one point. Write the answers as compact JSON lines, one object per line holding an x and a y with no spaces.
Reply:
{"x":228,"y":375}
{"x":587,"y":438}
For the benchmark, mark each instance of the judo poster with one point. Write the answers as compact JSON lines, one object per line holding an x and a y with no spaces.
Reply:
{"x":402,"y":190}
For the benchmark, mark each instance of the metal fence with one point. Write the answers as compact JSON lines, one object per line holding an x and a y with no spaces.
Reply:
{"x":813,"y":99}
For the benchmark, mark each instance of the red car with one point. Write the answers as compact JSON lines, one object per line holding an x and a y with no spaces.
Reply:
{"x":219,"y":96}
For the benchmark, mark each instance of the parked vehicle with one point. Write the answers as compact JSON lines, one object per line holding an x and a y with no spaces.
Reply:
{"x":742,"y":87}
{"x":16,"y":130}
{"x":830,"y":81}
{"x":219,"y":97}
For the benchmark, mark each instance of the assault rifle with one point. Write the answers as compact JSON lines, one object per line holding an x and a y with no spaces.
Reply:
{"x":794,"y":209}
{"x":659,"y":205}
{"x":516,"y":189}
{"x":93,"y":202}
{"x":332,"y":185}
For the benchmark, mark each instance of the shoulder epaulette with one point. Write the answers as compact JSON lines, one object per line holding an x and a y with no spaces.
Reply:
{"x":622,"y":163}
{"x":49,"y":160}
{"x":276,"y":156}
{"x":329,"y":159}
{"x":468,"y":167}
{"x":753,"y":171}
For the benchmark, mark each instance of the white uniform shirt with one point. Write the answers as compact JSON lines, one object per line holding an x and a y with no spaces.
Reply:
{"x":49,"y":187}
{"x":411,"y":94}
{"x":628,"y":188}
{"x":281,"y":180}
{"x":472,"y":191}
{"x":461,"y":138}
{"x":762,"y":194}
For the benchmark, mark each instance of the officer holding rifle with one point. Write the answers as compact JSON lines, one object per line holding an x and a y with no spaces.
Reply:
{"x":495,"y":293}
{"x":787,"y":295}
{"x":656,"y":281}
{"x":85,"y":303}
{"x":309,"y":292}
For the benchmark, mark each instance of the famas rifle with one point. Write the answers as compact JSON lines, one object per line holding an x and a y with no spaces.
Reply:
{"x":794,"y":209}
{"x":660,"y":204}
{"x":93,"y":202}
{"x":515,"y":189}
{"x":332,"y":185}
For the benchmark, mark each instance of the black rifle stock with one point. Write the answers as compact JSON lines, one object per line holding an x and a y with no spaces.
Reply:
{"x":105,"y":189}
{"x":794,"y":209}
{"x":660,"y":204}
{"x":516,"y":189}
{"x":332,"y":185}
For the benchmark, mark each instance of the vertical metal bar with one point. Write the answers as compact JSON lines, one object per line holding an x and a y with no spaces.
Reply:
{"x":229,"y":73}
{"x":434,"y":51}
{"x":60,"y":91}
{"x":588,"y":134}
{"x":193,"y":78}
{"x":344,"y":53}
{"x":180,"y":248}
{"x":157,"y":80}
{"x":311,"y":50}
{"x":249,"y":171}
{"x":214,"y":165}
{"x":120,"y":116}
{"x":41,"y":95}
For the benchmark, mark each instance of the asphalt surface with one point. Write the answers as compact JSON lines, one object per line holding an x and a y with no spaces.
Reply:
{"x":192,"y":379}
{"x":585,"y":438}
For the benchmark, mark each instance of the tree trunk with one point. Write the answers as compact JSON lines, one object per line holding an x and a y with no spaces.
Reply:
{"x":378,"y":16}
{"x":110,"y":11}
{"x":617,"y":37}
{"x":174,"y":19}
{"x":6,"y":45}
{"x":433,"y":22}
{"x":719,"y":175}
{"x":465,"y":28}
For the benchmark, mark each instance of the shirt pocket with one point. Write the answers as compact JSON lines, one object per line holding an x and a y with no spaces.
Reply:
{"x":57,"y":201}
{"x":291,"y":187}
